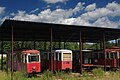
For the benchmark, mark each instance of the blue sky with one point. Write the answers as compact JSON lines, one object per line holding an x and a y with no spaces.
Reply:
{"x":98,"y":13}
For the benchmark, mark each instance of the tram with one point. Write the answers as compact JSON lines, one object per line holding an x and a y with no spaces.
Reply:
{"x":86,"y":60}
{"x":112,"y":58}
{"x":25,"y":60}
{"x":62,"y":60}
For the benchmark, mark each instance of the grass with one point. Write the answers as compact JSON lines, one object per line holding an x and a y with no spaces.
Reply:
{"x":98,"y":74}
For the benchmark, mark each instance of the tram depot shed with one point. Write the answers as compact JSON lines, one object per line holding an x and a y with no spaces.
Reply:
{"x":14,"y":30}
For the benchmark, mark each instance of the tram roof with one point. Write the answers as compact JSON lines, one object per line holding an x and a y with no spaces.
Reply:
{"x":38,"y":31}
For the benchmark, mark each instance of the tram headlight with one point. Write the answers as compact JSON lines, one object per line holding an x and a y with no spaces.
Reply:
{"x":33,"y":67}
{"x":96,"y":60}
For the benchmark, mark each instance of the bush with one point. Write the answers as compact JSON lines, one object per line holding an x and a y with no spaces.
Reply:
{"x":47,"y":75}
{"x":98,"y":72}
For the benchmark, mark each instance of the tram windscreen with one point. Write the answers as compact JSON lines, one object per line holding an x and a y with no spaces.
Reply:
{"x":33,"y":58}
{"x":66,"y":56}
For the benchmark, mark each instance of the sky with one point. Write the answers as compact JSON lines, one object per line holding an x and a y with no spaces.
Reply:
{"x":96,"y":13}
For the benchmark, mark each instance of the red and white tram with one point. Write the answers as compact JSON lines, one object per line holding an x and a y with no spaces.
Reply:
{"x":62,"y":59}
{"x":112,"y":58}
{"x":27,"y":61}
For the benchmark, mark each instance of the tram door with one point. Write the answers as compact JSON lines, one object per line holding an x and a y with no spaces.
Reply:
{"x":24,"y":61}
{"x":57,"y":61}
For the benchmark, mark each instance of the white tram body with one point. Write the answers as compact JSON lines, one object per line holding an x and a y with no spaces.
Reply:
{"x":62,"y":59}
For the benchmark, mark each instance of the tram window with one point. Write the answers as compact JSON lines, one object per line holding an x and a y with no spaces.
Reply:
{"x":118,"y":55}
{"x":115,"y":55}
{"x":94,"y":56}
{"x":25,"y":57}
{"x":33,"y":58}
{"x":59,"y":59}
{"x":85,"y":60}
{"x":19,"y":57}
{"x":49,"y":58}
{"x":107,"y":55}
{"x":15,"y":58}
{"x":101,"y":55}
{"x":56,"y":56}
{"x":22,"y":58}
{"x":66,"y":56}
{"x":111,"y":55}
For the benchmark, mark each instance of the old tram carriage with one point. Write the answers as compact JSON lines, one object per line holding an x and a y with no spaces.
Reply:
{"x":25,"y":60}
{"x":62,"y":60}
{"x":86,"y":60}
{"x":112,"y":58}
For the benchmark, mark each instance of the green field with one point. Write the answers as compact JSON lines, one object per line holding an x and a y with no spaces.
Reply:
{"x":97,"y":74}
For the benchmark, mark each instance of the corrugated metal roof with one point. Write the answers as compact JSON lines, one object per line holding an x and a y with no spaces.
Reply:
{"x":37,"y":31}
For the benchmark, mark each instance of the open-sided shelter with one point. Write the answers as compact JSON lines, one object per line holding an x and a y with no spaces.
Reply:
{"x":14,"y":30}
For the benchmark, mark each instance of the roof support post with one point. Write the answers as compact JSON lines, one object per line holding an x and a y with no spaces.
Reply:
{"x":51,"y":55}
{"x":2,"y":55}
{"x":80,"y":48}
{"x":12,"y":46}
{"x":104,"y":51}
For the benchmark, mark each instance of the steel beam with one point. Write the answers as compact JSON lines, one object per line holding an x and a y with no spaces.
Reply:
{"x":104,"y":51}
{"x":51,"y":55}
{"x":12,"y":46}
{"x":80,"y":48}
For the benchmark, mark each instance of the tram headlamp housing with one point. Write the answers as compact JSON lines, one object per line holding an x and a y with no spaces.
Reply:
{"x":33,"y":67}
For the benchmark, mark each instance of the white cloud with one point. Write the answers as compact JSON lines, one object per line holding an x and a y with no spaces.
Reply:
{"x":55,"y":1}
{"x":100,"y":17}
{"x":93,"y":15}
{"x":2,"y":10}
{"x":76,"y":21}
{"x":111,"y":10}
{"x":33,"y":11}
{"x":22,"y":15}
{"x":90,"y":7}
{"x":48,"y":15}
{"x":2,"y":18}
{"x":114,"y":7}
{"x":105,"y":22}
